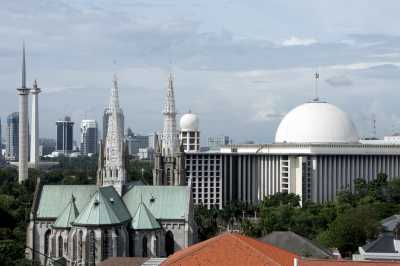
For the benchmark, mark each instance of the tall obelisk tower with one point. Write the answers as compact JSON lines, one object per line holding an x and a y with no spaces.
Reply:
{"x":23,"y":93}
{"x":35,"y":126}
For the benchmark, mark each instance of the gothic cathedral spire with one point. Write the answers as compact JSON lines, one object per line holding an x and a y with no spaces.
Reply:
{"x":112,"y":168}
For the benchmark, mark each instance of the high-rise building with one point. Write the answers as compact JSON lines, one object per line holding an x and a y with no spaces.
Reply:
{"x":190,"y":133}
{"x":65,"y":135}
{"x":214,"y":143}
{"x":136,"y":142}
{"x":89,"y":137}
{"x":169,"y":157}
{"x":12,"y":137}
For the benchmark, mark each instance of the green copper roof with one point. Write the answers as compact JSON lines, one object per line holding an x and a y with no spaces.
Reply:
{"x":143,"y":219}
{"x":67,"y":216}
{"x":104,"y":208}
{"x":164,"y":202}
{"x":54,"y":197}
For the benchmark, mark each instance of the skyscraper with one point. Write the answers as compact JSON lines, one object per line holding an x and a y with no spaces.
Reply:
{"x":169,"y":160}
{"x":216,"y":142}
{"x":65,"y":135}
{"x":12,"y":137}
{"x":89,"y":137}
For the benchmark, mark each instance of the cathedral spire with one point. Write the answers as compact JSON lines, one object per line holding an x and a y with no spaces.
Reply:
{"x":170,"y":135}
{"x":114,"y":171}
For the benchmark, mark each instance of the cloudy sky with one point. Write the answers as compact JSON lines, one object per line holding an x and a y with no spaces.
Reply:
{"x":240,"y":65}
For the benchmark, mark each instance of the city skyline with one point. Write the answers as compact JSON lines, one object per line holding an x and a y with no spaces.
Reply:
{"x":239,"y":77}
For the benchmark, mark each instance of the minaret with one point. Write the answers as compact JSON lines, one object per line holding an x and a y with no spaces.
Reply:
{"x":170,"y":135}
{"x":35,"y":126}
{"x":114,"y":171}
{"x":23,"y":93}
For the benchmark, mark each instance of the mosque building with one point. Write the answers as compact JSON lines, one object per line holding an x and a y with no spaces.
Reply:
{"x":317,"y":153}
{"x":86,"y":224}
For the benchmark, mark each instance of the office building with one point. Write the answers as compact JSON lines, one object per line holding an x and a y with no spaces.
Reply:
{"x":136,"y":142}
{"x":215,"y":143}
{"x":65,"y":135}
{"x":12,"y":137}
{"x":89,"y":137}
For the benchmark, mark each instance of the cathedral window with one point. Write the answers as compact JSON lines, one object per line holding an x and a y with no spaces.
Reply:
{"x":169,"y":243}
{"x":74,"y":246}
{"x":80,"y":244}
{"x":92,"y":249}
{"x":60,"y":246}
{"x":144,"y":247}
{"x":47,"y":242}
{"x":107,"y":248}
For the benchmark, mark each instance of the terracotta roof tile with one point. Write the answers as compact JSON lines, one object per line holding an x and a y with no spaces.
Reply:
{"x":231,"y":249}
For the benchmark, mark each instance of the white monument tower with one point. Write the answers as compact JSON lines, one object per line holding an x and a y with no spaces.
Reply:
{"x":23,"y":93}
{"x":35,"y":126}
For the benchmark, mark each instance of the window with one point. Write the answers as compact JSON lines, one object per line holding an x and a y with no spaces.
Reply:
{"x":169,"y":243}
{"x":92,"y":249}
{"x":107,"y":249}
{"x":144,"y":247}
{"x":60,"y":246}
{"x":80,"y":244}
{"x":47,"y":242}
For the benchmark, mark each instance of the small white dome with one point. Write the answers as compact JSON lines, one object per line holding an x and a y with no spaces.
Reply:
{"x":189,"y":122}
{"x":316,"y":122}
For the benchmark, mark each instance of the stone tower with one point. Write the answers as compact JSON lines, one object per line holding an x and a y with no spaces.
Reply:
{"x":112,"y":154}
{"x":169,"y":160}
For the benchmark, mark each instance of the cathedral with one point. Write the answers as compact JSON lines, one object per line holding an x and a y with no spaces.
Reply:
{"x":86,"y":224}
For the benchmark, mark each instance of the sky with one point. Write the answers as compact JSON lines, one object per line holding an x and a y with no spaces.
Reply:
{"x":240,"y":65}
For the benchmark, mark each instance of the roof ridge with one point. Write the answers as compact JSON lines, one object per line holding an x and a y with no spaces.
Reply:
{"x":255,"y":249}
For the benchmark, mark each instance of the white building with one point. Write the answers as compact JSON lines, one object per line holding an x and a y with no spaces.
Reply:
{"x":317,"y":152}
{"x":189,"y":134}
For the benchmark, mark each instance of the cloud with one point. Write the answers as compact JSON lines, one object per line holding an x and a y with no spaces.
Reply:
{"x":296,"y":41}
{"x":384,"y":71}
{"x":339,"y":81}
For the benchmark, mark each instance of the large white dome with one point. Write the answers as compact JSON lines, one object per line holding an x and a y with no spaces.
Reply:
{"x":189,"y":122}
{"x":316,"y":122}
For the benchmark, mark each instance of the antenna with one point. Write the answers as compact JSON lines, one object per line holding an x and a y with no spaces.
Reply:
{"x":373,"y":124}
{"x":316,"y":76}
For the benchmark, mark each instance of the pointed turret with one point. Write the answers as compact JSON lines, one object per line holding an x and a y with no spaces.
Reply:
{"x":113,"y":172}
{"x":170,"y":135}
{"x":68,"y":215}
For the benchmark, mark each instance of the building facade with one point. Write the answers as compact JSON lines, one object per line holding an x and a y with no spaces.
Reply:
{"x":189,"y":134}
{"x":89,"y":137}
{"x":216,"y":142}
{"x":12,"y":146}
{"x":316,"y":154}
{"x":136,"y":142}
{"x":65,"y":135}
{"x":86,"y":224}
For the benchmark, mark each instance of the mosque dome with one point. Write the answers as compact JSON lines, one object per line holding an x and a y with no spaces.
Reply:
{"x":316,"y":122}
{"x":189,"y":122}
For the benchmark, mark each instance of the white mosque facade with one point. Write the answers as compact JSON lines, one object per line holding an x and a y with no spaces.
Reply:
{"x":317,"y":153}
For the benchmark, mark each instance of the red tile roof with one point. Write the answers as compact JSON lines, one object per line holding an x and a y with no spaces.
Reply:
{"x":312,"y":262}
{"x":231,"y":249}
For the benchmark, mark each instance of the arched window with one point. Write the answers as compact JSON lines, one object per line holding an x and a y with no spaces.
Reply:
{"x":131,"y":243}
{"x":144,"y":247}
{"x":116,"y":172}
{"x":169,"y":243}
{"x":169,"y":181}
{"x":156,"y":247}
{"x":47,"y":242}
{"x":74,"y":246}
{"x":92,"y":249}
{"x":107,"y":249}
{"x":117,"y":241}
{"x":60,"y":246}
{"x":80,"y":244}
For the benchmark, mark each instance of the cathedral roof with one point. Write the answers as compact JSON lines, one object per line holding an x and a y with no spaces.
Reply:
{"x":53,"y":196}
{"x":104,"y":208}
{"x":144,"y":219}
{"x":67,"y":216}
{"x":164,"y":202}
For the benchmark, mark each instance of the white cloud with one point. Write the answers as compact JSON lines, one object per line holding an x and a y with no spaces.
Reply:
{"x":296,"y":41}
